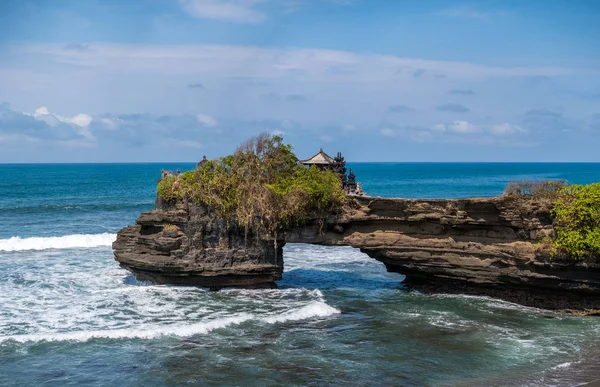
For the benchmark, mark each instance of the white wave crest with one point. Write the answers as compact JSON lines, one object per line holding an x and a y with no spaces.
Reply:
{"x":62,"y":242}
{"x":562,"y":365}
{"x":312,"y":310}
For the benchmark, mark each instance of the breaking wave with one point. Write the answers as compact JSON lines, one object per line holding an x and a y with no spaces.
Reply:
{"x":312,"y":310}
{"x":63,"y":242}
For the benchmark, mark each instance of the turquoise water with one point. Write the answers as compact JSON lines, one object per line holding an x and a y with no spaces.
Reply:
{"x":70,"y":316}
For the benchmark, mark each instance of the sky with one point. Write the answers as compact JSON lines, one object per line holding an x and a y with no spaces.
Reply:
{"x":378,"y":80}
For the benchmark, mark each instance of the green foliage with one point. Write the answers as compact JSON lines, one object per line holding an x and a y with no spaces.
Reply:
{"x":577,"y":222}
{"x":261,"y":185}
{"x":534,"y":189}
{"x":306,"y":192}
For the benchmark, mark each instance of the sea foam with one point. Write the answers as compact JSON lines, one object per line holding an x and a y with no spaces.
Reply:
{"x":313,"y":310}
{"x":62,"y":242}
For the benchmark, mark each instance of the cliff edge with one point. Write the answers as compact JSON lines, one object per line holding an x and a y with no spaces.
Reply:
{"x":483,"y":246}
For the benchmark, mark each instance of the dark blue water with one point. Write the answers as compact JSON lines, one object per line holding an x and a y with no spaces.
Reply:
{"x":463,"y":180}
{"x":70,"y":316}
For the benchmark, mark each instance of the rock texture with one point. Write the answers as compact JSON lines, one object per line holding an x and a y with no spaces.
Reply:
{"x":478,"y":246}
{"x":188,"y":244}
{"x":485,"y":246}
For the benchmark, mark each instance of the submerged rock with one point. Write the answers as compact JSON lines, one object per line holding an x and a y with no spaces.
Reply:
{"x":472,"y":246}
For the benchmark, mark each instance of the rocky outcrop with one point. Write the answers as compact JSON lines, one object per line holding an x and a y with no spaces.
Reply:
{"x":483,"y":246}
{"x":488,"y":246}
{"x":188,"y":244}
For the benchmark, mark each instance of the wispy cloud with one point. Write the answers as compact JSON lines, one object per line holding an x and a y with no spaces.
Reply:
{"x":549,"y":121}
{"x":242,"y":11}
{"x":196,"y":86}
{"x":453,"y":108}
{"x":77,"y":47}
{"x":399,"y":109}
{"x":461,"y":92}
{"x":269,"y":63}
{"x":465,"y":13}
{"x":206,"y":120}
{"x":467,"y":128}
{"x":287,"y":97}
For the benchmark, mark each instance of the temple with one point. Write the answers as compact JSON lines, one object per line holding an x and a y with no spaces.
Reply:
{"x":321,"y":160}
{"x":336,"y":164}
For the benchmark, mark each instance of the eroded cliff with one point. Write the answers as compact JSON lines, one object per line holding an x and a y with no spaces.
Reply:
{"x":482,"y":246}
{"x":188,"y":244}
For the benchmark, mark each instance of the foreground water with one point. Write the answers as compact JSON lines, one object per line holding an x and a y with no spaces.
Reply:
{"x":70,"y":316}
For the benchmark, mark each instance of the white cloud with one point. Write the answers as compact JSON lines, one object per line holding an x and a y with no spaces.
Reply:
{"x":206,"y":120}
{"x":109,"y":123}
{"x":202,"y":61}
{"x":350,"y":94}
{"x":41,"y":111}
{"x":358,"y":87}
{"x":243,"y":11}
{"x":43,"y":125}
{"x":43,"y":114}
{"x":81,"y":120}
{"x":464,"y":127}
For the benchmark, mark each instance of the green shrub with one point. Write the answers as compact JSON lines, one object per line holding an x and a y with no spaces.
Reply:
{"x":577,"y":223}
{"x":261,"y":186}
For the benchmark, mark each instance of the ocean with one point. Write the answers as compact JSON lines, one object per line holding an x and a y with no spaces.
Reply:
{"x":70,"y":316}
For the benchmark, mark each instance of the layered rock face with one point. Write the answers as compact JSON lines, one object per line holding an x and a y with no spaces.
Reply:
{"x":188,"y":244}
{"x":482,"y":246}
{"x":485,"y":246}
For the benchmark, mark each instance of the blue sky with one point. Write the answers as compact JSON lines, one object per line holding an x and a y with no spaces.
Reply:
{"x":379,"y":80}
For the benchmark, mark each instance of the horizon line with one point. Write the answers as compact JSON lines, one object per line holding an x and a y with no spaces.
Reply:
{"x":349,"y":162}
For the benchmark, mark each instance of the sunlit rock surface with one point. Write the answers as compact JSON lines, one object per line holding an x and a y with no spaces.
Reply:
{"x":478,"y":246}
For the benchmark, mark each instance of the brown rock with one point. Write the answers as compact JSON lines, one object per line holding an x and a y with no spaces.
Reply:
{"x":473,"y":246}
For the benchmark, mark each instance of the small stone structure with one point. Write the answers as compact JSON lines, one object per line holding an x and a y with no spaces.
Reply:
{"x":165,"y":174}
{"x":202,"y":162}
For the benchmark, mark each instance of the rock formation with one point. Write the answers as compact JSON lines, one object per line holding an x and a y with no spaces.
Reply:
{"x":188,"y":244}
{"x":478,"y":246}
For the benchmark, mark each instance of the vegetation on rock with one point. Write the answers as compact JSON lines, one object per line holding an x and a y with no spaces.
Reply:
{"x":261,"y":186}
{"x":576,"y":217}
{"x":577,"y":223}
{"x":535,"y":189}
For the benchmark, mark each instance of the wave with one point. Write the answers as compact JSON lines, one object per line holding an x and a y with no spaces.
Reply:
{"x":312,"y":310}
{"x":562,"y":365}
{"x":63,"y":242}
{"x":68,"y":209}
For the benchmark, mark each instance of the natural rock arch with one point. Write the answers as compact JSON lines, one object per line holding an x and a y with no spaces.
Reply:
{"x":484,"y":246}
